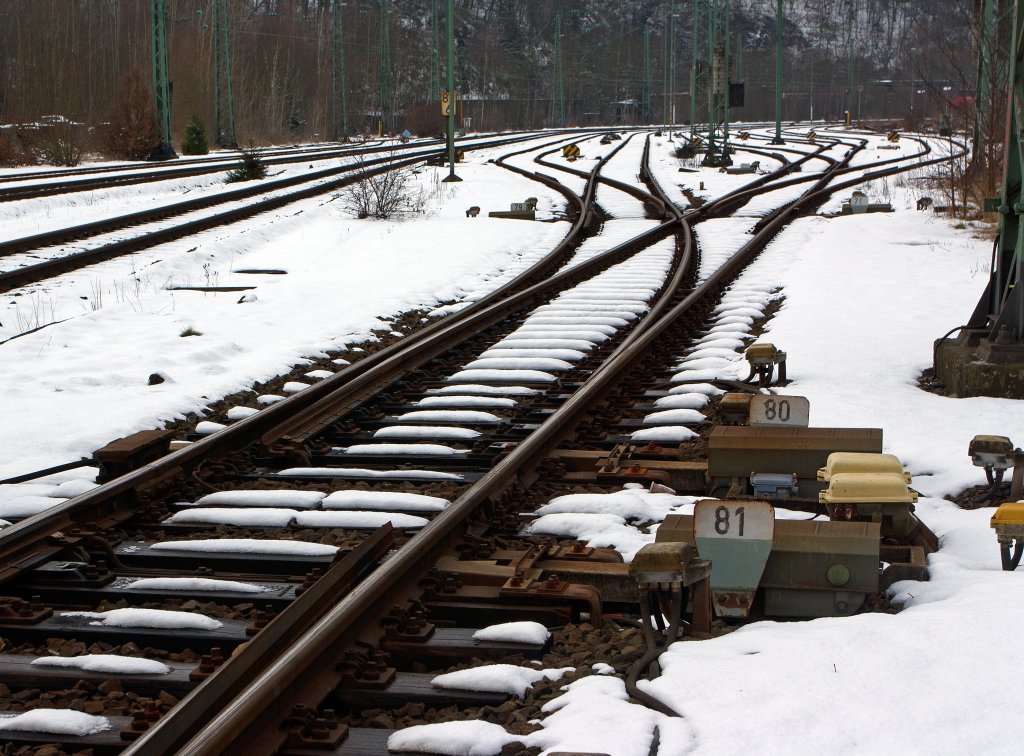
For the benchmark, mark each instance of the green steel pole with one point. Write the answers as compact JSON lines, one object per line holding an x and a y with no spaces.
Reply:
{"x":778,"y":74}
{"x":693,"y":71}
{"x":849,"y":74}
{"x":338,"y":102}
{"x":161,"y":86}
{"x":451,"y":92}
{"x":672,"y":69}
{"x":726,"y":78}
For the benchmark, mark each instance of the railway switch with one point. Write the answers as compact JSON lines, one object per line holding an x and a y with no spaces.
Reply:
{"x":997,"y":455}
{"x":667,"y":566}
{"x":734,"y":408}
{"x":881,"y":497}
{"x":763,"y":357}
{"x":1008,"y":522}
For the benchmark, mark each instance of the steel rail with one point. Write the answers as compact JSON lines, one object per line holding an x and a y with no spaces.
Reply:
{"x":38,"y":271}
{"x":115,"y":500}
{"x":56,"y":236}
{"x":192,"y":168}
{"x":306,"y":671}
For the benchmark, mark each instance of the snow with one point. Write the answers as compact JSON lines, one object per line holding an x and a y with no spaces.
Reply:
{"x":247,"y":546}
{"x":491,"y":402}
{"x":458,"y":738}
{"x":384,"y":500}
{"x":294,"y":387}
{"x":472,"y":417}
{"x":439,"y":432}
{"x":109,"y":663}
{"x":603,"y":669}
{"x":436,"y":450}
{"x":254,"y":517}
{"x":356,"y":472}
{"x":73,"y":488}
{"x":498,"y":678}
{"x":689,"y":400}
{"x":530,"y":344}
{"x":697,"y":388}
{"x":594,"y":715}
{"x":357,"y":519}
{"x":156,"y":618}
{"x":26,"y":506}
{"x":194,"y":584}
{"x":206,"y":427}
{"x":514,"y":632}
{"x":666,"y":434}
{"x":631,"y":504}
{"x":675,"y":417}
{"x":240,"y":413}
{"x":55,"y":722}
{"x":291,"y":499}
{"x":481,"y":390}
{"x":498,"y":376}
{"x":519,"y":363}
{"x":95,"y":388}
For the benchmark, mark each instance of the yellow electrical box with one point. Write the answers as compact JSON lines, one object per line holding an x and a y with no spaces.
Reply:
{"x":734,"y":408}
{"x":1009,"y":519}
{"x":867,"y":488}
{"x":763,"y":353}
{"x":859,"y":462}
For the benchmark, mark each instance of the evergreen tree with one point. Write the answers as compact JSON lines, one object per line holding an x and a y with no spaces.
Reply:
{"x":194,"y":141}
{"x":250,"y":169}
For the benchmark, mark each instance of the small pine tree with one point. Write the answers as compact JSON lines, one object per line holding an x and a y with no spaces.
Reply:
{"x":250,"y":169}
{"x":194,"y":141}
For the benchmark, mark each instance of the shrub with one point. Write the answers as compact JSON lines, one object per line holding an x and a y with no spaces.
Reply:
{"x":389,"y":194}
{"x":9,"y":153}
{"x":194,"y":141}
{"x":132,"y":132}
{"x":56,"y":141}
{"x":250,"y":169}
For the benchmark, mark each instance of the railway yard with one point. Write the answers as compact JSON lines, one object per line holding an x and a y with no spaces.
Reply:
{"x":280,"y":479}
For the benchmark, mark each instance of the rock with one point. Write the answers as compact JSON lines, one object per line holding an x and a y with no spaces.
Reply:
{"x":412,"y":710}
{"x":72,"y":648}
{"x":381,"y":722}
{"x":48,"y":750}
{"x":94,"y":707}
{"x":110,"y":686}
{"x":167,"y":699}
{"x":24,"y":695}
{"x":155,"y":378}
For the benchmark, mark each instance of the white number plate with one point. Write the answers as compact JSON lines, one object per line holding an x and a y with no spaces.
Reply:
{"x":792,"y":411}
{"x":753,"y":520}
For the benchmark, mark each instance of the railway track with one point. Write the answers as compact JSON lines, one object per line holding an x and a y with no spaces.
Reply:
{"x":34,"y":185}
{"x":104,"y":239}
{"x":457,"y":431}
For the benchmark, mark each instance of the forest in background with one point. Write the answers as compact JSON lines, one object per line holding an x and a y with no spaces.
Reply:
{"x":913,"y":60}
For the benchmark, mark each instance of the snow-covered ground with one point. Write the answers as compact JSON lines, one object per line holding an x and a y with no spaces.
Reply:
{"x":864,"y":298}
{"x":75,"y":385}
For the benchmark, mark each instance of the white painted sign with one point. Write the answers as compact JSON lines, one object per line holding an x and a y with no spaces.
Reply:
{"x":786,"y":411}
{"x":740,"y":520}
